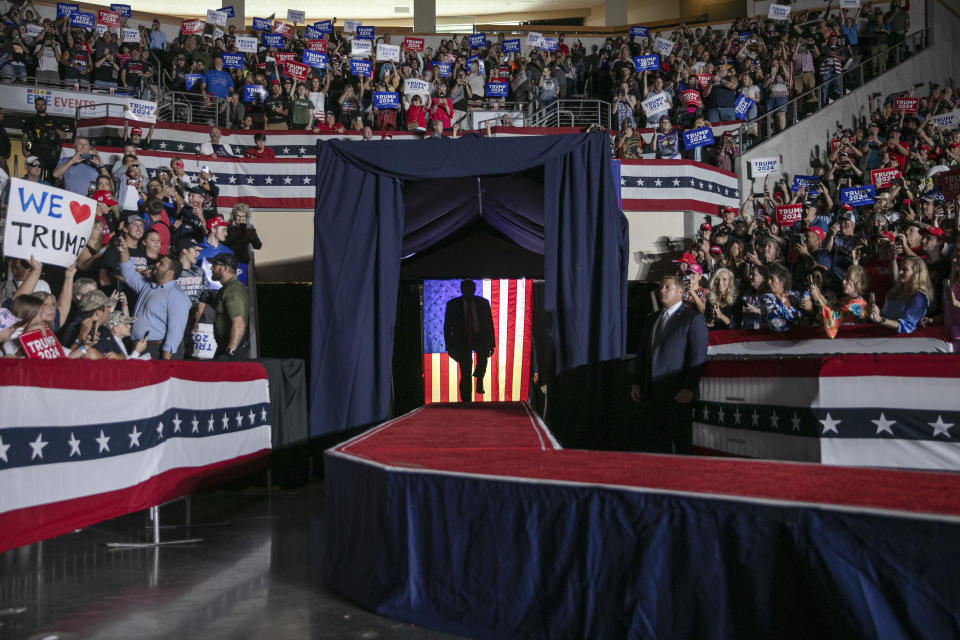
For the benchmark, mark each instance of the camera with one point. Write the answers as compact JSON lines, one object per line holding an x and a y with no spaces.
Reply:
{"x":798,"y":238}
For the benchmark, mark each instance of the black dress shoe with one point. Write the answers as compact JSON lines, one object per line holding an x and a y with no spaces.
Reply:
{"x":480,"y":387}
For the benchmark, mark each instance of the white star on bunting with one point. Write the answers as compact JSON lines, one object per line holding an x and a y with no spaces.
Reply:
{"x":233,"y":179}
{"x":210,"y":424}
{"x":706,"y":412}
{"x":721,"y":415}
{"x":226,"y":422}
{"x":306,"y":180}
{"x":736,"y":416}
{"x":286,"y":150}
{"x":134,"y":437}
{"x":795,"y":421}
{"x":74,"y":445}
{"x":269,"y":180}
{"x":196,"y":425}
{"x":239,"y":420}
{"x":250,"y":180}
{"x":287,"y":180}
{"x":263,"y":414}
{"x":938,"y":427}
{"x":252,"y":416}
{"x":160,"y":430}
{"x":829,"y":424}
{"x":676,"y":182}
{"x":176,"y":423}
{"x":3,"y":450}
{"x":37,"y":446}
{"x":755,"y":418}
{"x":163,"y":145}
{"x":102,"y":441}
{"x":883,"y":424}
{"x":774,"y":420}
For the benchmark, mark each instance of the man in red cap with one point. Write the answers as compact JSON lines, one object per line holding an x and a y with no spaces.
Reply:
{"x":213,"y":244}
{"x":136,"y":136}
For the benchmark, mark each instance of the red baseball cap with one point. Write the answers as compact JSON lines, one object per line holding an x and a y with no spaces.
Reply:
{"x":715,"y":250}
{"x":706,"y":226}
{"x":105,"y":197}
{"x":935,"y":231}
{"x":846,"y":206}
{"x":818,"y":231}
{"x":216,"y":221}
{"x":136,"y":131}
{"x":889,"y":236}
{"x":696,"y":268}
{"x":688,"y":258}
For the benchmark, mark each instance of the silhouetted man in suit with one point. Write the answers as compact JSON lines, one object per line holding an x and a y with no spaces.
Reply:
{"x":468,"y":327}
{"x":673,"y":350}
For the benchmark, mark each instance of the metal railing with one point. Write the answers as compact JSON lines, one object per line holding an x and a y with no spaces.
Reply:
{"x":572,"y":113}
{"x":189,"y":108}
{"x":766,"y":126}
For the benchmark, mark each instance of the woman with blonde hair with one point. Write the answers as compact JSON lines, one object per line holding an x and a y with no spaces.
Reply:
{"x":33,"y":315}
{"x":908,"y":300}
{"x":723,"y":301}
{"x":851,"y":308}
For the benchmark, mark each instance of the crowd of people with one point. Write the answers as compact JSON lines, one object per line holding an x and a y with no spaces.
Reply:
{"x":889,"y":259}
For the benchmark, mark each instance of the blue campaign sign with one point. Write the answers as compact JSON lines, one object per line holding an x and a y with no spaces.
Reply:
{"x":743,"y":36}
{"x":324,"y":26}
{"x":741,"y":108}
{"x":497,"y":89}
{"x":122,"y":9}
{"x":232,"y":60}
{"x":386,"y":99}
{"x":694,"y":138}
{"x":549,"y":44}
{"x":228,"y":10}
{"x":83,"y":20}
{"x":312,"y":33}
{"x":254,"y":92}
{"x":65,"y":9}
{"x":443,"y":69}
{"x":315,"y":59}
{"x":805,"y":183}
{"x":361,"y":68}
{"x":364,"y":33}
{"x":192,"y":79}
{"x":511,"y":46}
{"x":477,"y":40}
{"x":272,"y":40}
{"x":858,"y":196}
{"x":262,"y":24}
{"x":647,"y":63}
{"x":640,"y":32}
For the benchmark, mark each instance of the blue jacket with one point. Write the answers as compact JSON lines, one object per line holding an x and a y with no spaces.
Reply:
{"x":676,"y":362}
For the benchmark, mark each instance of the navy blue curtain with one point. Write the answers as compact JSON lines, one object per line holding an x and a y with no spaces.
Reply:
{"x":362,"y":233}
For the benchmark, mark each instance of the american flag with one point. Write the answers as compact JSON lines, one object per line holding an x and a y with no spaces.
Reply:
{"x":83,"y":442}
{"x":676,"y":185}
{"x":508,"y":370}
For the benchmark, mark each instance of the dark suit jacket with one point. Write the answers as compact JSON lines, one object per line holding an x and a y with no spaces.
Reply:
{"x":455,"y":328}
{"x":677,"y":361}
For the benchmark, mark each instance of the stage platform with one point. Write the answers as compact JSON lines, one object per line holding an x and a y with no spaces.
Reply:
{"x":473,"y":520}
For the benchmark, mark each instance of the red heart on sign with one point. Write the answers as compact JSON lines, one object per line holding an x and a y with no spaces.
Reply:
{"x":79,"y":211}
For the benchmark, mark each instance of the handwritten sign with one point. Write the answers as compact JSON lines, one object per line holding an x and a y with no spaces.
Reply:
{"x":64,"y":9}
{"x":664,"y":46}
{"x":655,"y":104}
{"x":639,"y":32}
{"x":274,"y":40}
{"x":315,"y":59}
{"x":388,"y":52}
{"x":694,"y":138}
{"x":649,"y":62}
{"x":191,"y":27}
{"x":41,"y":344}
{"x":262,"y":24}
{"x":906,"y":105}
{"x":477,"y":40}
{"x":122,"y":9}
{"x":361,"y":68}
{"x":49,"y":224}
{"x":141,"y":110}
{"x":741,"y":108}
{"x":218,"y":18}
{"x":83,"y":19}
{"x":883,"y":178}
{"x":254,"y":92}
{"x":764,"y":166}
{"x":361,"y":48}
{"x":365,"y":33}
{"x":858,"y":196}
{"x":413,"y":44}
{"x":386,"y":99}
{"x":534,"y":39}
{"x":296,"y":17}
{"x":443,"y":69}
{"x":510,"y":46}
{"x":350,"y":26}
{"x":324,"y":26}
{"x":497,"y":89}
{"x":789,"y":214}
{"x":779,"y":12}
{"x":109,"y":19}
{"x":691,"y":98}
{"x":246,"y":44}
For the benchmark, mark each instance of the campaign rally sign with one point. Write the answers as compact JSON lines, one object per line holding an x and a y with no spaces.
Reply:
{"x":312,"y":33}
{"x":296,"y":70}
{"x":764,"y":166}
{"x":315,"y":59}
{"x":216,"y":17}
{"x":388,"y":52}
{"x":141,"y":110}
{"x":364,"y":33}
{"x":779,"y":12}
{"x":805,"y":183}
{"x":122,"y":9}
{"x":350,"y":26}
{"x":192,"y":26}
{"x":741,"y":108}
{"x":386,"y":99}
{"x":789,"y":214}
{"x":858,"y":196}
{"x":101,"y":29}
{"x":413,"y":44}
{"x":443,"y":69}
{"x":497,"y":89}
{"x":549,"y":44}
{"x":655,"y":104}
{"x":883,"y":178}
{"x":65,"y":9}
{"x":949,"y":184}
{"x":317,"y":45}
{"x":232,"y":60}
{"x":229,"y":11}
{"x":361,"y":48}
{"x":906,"y":105}
{"x":534,"y":39}
{"x":324,"y":26}
{"x":83,"y":19}
{"x":477,"y":40}
{"x":640,"y":32}
{"x":130,"y":35}
{"x":361,"y":68}
{"x":510,"y":46}
{"x":282,"y":27}
{"x":448,"y":57}
{"x":33,"y":30}
{"x":703,"y":79}
{"x":50,"y":224}
{"x":946,"y":120}
{"x":204,"y":344}
{"x":282,"y":57}
{"x":415,"y":85}
{"x":702,"y":137}
{"x":743,"y":36}
{"x":254,"y":92}
{"x":246,"y":44}
{"x":849,"y":4}
{"x":296,"y":17}
{"x":664,"y":46}
{"x":41,"y":344}
{"x":691,"y":97}
{"x":192,"y":79}
{"x":649,"y":62}
{"x":109,"y":19}
{"x":262,"y":24}
{"x":272,"y":40}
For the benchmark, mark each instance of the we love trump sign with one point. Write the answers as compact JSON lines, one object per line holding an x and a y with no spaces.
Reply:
{"x":50,"y":224}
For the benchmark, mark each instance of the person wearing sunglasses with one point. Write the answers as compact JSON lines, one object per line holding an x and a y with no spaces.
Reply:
{"x":34,"y":169}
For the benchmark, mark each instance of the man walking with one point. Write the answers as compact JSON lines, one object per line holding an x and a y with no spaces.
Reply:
{"x":673,"y":350}
{"x":232,"y":310}
{"x":468,"y":327}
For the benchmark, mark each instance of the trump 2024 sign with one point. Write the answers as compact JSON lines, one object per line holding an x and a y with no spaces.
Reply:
{"x":50,"y":224}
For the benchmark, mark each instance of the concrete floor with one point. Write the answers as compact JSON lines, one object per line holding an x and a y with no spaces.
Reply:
{"x":258,"y":574}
